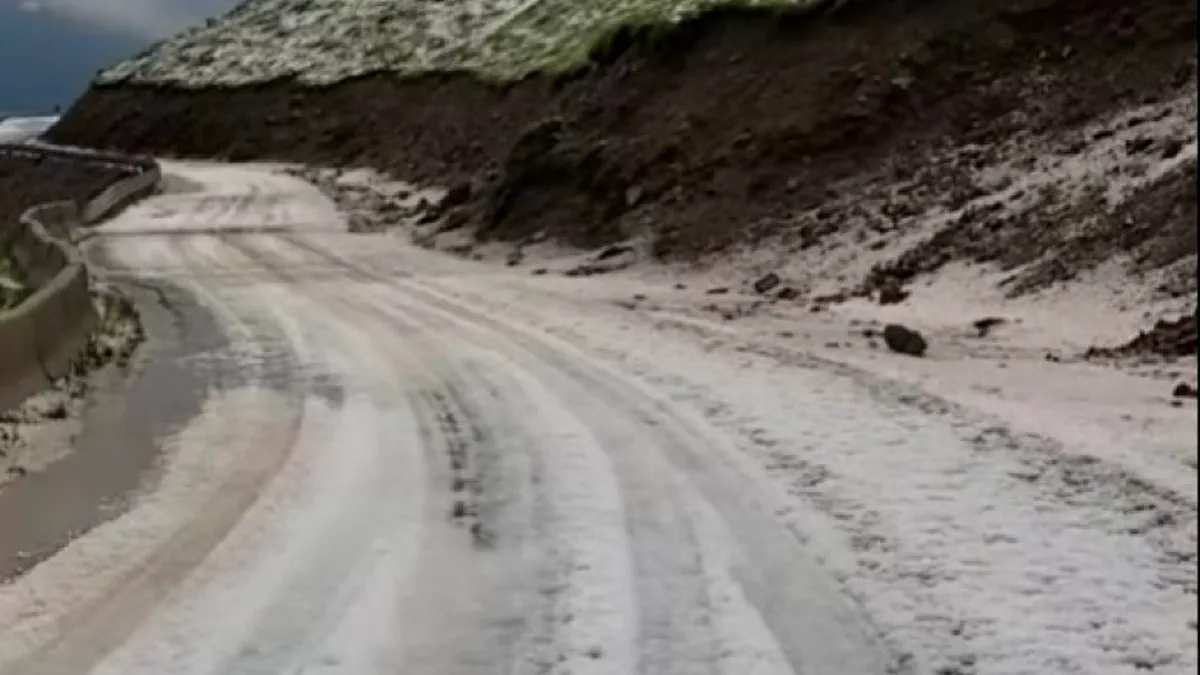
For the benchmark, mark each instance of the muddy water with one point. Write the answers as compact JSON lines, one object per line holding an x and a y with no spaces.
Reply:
{"x":123,"y":428}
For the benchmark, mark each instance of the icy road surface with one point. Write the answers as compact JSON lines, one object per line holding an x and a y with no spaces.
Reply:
{"x":427,"y":466}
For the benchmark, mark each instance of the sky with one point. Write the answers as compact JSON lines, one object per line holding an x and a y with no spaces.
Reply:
{"x":51,"y":49}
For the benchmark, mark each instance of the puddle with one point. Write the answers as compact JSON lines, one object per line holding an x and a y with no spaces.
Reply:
{"x":124,"y":424}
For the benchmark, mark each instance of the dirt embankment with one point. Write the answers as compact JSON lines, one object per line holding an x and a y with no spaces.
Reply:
{"x":736,"y":128}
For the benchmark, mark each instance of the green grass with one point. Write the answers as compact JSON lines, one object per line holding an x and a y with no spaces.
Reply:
{"x":325,"y":41}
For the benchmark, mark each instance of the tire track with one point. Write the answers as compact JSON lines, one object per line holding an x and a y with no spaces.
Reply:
{"x":562,"y":520}
{"x":440,"y":408}
{"x":829,"y":630}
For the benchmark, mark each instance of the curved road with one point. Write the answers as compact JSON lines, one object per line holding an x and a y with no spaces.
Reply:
{"x":391,"y":480}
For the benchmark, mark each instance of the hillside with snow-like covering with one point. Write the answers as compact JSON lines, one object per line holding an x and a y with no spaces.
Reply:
{"x":326,"y":41}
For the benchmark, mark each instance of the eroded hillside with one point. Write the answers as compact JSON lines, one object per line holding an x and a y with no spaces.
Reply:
{"x":1048,"y":138}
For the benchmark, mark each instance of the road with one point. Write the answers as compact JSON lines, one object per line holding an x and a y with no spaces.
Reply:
{"x":403,"y":462}
{"x":425,"y":488}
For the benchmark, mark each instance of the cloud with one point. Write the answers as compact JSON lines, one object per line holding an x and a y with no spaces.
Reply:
{"x":151,"y":19}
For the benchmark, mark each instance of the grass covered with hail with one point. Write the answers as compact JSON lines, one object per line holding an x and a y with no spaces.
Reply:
{"x":326,"y":41}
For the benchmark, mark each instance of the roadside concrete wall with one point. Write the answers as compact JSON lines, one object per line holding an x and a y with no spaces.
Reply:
{"x":41,"y":337}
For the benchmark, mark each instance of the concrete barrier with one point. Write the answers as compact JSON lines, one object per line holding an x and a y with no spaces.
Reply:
{"x":144,"y":177}
{"x":41,"y":337}
{"x":120,"y":194}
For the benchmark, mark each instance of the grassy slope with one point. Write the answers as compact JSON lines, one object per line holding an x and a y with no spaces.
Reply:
{"x":325,"y":41}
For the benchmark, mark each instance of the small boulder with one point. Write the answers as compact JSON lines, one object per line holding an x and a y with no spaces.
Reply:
{"x":986,"y":324}
{"x":458,"y":194}
{"x":904,"y":340}
{"x":454,"y":219}
{"x":1171,"y":148}
{"x":788,"y":293}
{"x":610,"y":252}
{"x":1184,"y":390}
{"x":767,"y":283}
{"x":892,"y":294}
{"x":1136,"y":146}
{"x":429,"y":217}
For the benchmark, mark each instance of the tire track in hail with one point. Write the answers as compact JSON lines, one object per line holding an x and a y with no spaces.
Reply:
{"x":497,"y":508}
{"x":295,"y":618}
{"x":676,"y":602}
{"x":438,"y":404}
{"x":814,"y":625}
{"x":681,"y":607}
{"x":819,"y":629}
{"x":543,"y":636}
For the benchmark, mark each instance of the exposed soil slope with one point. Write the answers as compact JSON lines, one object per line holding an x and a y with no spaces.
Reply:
{"x":743,"y":127}
{"x":725,"y":122}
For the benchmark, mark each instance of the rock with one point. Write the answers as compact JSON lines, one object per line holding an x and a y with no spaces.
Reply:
{"x":788,"y":293}
{"x":904,"y":340}
{"x":482,"y":536}
{"x":892,"y":294}
{"x":1171,"y":148}
{"x":767,"y":282}
{"x":1184,"y":390}
{"x":613,"y":251}
{"x":453,"y":220}
{"x":986,"y":324}
{"x":58,"y":411}
{"x":539,"y":271}
{"x":720,"y":290}
{"x":459,"y":194}
{"x":1135,"y":146}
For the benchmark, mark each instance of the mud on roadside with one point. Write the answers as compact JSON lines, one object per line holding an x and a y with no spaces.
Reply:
{"x":43,"y":428}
